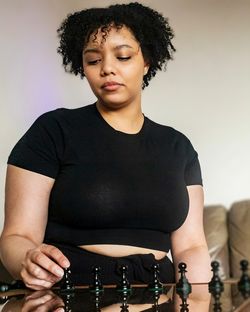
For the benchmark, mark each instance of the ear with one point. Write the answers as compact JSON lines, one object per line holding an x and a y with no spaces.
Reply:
{"x":146,"y":68}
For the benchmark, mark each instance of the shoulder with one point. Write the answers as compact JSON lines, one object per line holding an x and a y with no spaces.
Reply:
{"x":169,"y":133}
{"x":64,"y":116}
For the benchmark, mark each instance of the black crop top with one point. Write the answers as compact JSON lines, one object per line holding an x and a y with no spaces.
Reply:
{"x":110,"y":187}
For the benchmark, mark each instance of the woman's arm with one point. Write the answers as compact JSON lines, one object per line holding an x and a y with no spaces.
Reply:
{"x":26,"y":211}
{"x":189,"y":246}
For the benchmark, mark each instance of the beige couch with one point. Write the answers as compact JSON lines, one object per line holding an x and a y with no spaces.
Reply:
{"x":228,"y":237}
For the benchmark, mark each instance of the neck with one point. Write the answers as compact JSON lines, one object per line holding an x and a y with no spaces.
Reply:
{"x":127,"y":119}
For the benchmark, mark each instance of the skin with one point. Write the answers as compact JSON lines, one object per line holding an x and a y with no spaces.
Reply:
{"x":117,"y":59}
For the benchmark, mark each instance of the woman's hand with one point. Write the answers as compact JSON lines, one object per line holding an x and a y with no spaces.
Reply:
{"x":43,"y":266}
{"x":43,"y":301}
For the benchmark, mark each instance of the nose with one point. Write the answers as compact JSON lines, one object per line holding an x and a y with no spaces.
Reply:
{"x":107,"y":67}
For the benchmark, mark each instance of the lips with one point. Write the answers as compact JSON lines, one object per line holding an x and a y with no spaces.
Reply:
{"x":111,"y":85}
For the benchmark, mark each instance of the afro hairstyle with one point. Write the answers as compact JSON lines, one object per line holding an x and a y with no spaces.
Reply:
{"x":149,"y":27}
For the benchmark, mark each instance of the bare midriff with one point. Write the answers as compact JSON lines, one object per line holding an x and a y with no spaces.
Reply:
{"x":122,"y":250}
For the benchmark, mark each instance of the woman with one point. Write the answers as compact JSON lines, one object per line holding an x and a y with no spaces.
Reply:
{"x":103,"y":184}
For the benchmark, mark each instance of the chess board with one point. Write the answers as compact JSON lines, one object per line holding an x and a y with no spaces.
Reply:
{"x":130,"y":298}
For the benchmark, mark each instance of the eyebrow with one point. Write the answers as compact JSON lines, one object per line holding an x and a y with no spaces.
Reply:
{"x":97,"y":50}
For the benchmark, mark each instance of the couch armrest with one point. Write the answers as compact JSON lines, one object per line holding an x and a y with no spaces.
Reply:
{"x":239,"y":235}
{"x":215,"y":227}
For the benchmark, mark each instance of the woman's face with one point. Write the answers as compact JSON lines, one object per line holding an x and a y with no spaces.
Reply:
{"x":115,"y":67}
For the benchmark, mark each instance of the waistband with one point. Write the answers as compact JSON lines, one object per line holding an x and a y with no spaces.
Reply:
{"x":139,"y":266}
{"x":150,"y":239}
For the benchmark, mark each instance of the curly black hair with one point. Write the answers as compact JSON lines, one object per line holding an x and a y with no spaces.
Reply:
{"x":149,"y":27}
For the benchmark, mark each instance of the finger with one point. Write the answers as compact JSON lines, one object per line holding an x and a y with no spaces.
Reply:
{"x":55,"y":254}
{"x":34,"y":283}
{"x":39,"y":272}
{"x":42,"y":260}
{"x":31,"y":304}
{"x":56,"y":303}
{"x":39,"y":293}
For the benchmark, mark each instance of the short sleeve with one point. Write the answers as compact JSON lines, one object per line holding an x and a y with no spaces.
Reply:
{"x":41,"y":147}
{"x":192,"y":169}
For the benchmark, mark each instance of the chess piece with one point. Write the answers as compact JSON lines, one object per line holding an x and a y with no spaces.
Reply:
{"x":124,"y":285}
{"x":11,"y":286}
{"x":156,"y":286}
{"x":97,"y":285}
{"x":244,"y":283}
{"x":124,"y":288}
{"x":183,"y":287}
{"x":97,"y":288}
{"x":216,"y":286}
{"x":66,"y":283}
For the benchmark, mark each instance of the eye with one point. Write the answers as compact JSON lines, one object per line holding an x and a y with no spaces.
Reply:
{"x":120,"y":58}
{"x":93,"y":62}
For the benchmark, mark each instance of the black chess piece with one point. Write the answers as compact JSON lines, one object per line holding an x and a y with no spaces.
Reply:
{"x":124,"y":288}
{"x":244,"y":282}
{"x":11,"y":286}
{"x":97,"y":285}
{"x":215,"y":286}
{"x":97,"y":288}
{"x":156,"y":286}
{"x":183,"y":287}
{"x":66,"y":284}
{"x":67,"y":290}
{"x":124,"y":285}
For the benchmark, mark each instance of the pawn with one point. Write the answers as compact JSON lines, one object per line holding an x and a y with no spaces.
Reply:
{"x":155,"y":285}
{"x":183,"y":287}
{"x":244,"y":283}
{"x":124,"y":285}
{"x":66,"y":283}
{"x":97,"y":285}
{"x":215,"y":286}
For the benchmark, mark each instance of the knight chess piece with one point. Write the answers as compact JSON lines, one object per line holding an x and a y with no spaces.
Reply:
{"x":183,"y":287}
{"x":244,"y":282}
{"x":215,"y":286}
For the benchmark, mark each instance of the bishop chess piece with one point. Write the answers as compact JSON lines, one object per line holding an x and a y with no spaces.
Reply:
{"x":183,"y":287}
{"x":244,"y":282}
{"x":216,"y":286}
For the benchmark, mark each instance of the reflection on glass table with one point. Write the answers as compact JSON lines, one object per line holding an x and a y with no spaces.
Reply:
{"x":216,"y":296}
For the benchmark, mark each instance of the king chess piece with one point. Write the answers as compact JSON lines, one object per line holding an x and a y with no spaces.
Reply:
{"x":244,"y":282}
{"x":215,"y":286}
{"x":183,"y":287}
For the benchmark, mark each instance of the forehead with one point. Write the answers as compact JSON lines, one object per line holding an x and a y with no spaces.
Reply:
{"x":111,"y":35}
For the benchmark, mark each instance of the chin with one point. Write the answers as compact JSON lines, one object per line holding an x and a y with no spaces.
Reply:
{"x":113,"y":103}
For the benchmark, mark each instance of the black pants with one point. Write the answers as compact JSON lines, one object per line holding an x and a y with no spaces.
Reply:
{"x":139,"y":267}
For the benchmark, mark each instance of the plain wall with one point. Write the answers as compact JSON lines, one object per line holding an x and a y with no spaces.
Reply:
{"x":205,"y":92}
